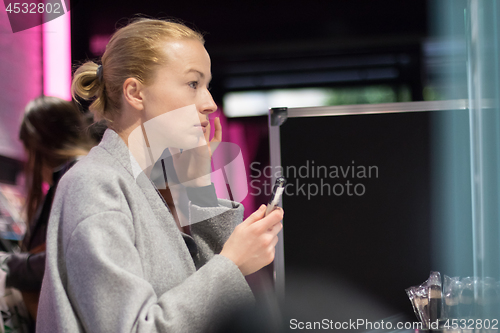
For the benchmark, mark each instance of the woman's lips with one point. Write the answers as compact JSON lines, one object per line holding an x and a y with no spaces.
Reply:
{"x":203,"y":125}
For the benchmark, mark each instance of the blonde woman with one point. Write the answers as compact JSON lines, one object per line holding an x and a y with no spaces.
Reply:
{"x":116,"y":259}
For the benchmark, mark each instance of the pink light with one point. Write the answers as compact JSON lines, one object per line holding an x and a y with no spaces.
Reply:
{"x":98,"y":44}
{"x":57,"y":57}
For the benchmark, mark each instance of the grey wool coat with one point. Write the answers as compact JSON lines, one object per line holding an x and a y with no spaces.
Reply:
{"x":116,"y":261}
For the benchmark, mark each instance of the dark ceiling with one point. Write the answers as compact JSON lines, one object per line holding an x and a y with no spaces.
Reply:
{"x":252,"y":30}
{"x":256,"y":21}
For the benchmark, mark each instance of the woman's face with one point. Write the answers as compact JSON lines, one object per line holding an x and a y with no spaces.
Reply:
{"x":177,"y":103}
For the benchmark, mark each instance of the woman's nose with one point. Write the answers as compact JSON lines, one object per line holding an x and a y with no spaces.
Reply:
{"x":208,"y":105}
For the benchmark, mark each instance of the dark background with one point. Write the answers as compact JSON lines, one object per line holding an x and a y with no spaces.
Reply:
{"x":255,"y":37}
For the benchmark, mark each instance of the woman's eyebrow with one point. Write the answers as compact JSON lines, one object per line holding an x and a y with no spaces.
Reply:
{"x":202,"y":75}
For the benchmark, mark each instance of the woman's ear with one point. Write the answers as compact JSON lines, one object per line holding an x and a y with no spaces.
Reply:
{"x":132,"y":93}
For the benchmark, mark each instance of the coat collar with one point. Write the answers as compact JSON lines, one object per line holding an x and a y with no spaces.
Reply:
{"x":115,"y":146}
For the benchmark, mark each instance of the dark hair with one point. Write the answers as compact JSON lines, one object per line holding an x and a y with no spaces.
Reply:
{"x":52,"y":131}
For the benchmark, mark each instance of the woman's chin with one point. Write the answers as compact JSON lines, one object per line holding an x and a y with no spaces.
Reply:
{"x":192,"y":141}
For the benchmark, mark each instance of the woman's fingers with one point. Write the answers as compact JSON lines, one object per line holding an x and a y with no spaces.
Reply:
{"x":207,"y":132}
{"x":251,"y":245}
{"x":255,"y":216}
{"x":275,"y":241}
{"x":214,"y":143}
{"x":270,"y":220}
{"x":218,"y":130}
{"x":275,"y":229}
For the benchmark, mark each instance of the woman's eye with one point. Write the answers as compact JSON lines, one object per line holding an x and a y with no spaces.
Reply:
{"x":193,"y":84}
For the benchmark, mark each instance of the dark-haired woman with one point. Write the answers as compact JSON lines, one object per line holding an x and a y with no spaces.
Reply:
{"x":53,"y":134}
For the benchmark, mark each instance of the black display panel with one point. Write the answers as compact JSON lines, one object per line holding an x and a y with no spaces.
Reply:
{"x":368,"y":236}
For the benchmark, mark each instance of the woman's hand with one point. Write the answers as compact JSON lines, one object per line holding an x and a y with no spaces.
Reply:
{"x":214,"y":143}
{"x":193,"y":166}
{"x":251,"y":245}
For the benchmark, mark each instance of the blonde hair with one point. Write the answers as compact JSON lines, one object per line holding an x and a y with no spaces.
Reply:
{"x":134,"y":51}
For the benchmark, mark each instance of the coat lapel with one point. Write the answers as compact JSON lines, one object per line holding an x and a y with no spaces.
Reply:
{"x":115,"y":146}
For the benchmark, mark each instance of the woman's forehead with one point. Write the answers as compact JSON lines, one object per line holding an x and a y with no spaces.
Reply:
{"x":186,"y":52}
{"x":184,"y":57}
